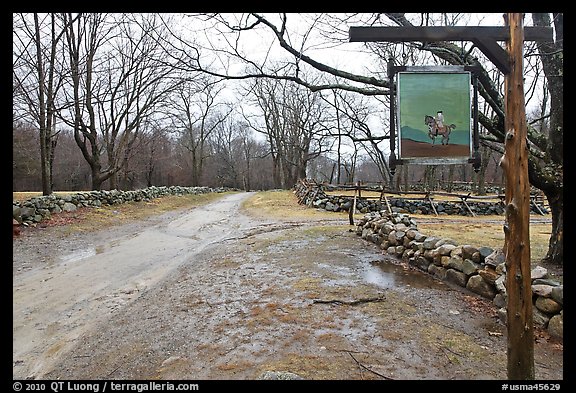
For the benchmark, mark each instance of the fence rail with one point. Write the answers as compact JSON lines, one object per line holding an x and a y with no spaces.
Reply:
{"x":309,"y":189}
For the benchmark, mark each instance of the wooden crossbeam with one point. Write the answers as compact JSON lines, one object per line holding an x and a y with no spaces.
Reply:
{"x":442,"y":33}
{"x":484,"y":37}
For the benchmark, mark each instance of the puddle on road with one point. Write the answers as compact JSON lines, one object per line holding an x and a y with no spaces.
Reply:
{"x":84,"y":253}
{"x":388,"y":275}
{"x":292,"y":245}
{"x":78,"y":255}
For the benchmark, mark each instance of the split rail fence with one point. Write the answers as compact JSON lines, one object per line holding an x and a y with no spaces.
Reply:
{"x":537,"y":199}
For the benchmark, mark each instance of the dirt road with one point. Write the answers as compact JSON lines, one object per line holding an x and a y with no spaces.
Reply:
{"x":212,"y":293}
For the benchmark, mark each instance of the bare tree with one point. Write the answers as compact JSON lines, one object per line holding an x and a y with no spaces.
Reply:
{"x":261,"y":177}
{"x":227,"y":157}
{"x":196,"y":112}
{"x":25,"y":158}
{"x":71,"y":172}
{"x":353,"y":114}
{"x":247,"y":154}
{"x":216,"y":56}
{"x":156,"y":157}
{"x":294,"y":128}
{"x":37,"y":73}
{"x":248,"y":148}
{"x":117,"y":82}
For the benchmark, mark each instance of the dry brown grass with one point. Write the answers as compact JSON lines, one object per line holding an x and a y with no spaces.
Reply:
{"x":483,"y":231}
{"x":235,"y":366}
{"x":476,"y":231}
{"x":283,"y":205}
{"x":24,"y":195}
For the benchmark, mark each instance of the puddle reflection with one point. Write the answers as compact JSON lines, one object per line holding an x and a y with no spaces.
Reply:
{"x":82,"y":254}
{"x":388,"y":275}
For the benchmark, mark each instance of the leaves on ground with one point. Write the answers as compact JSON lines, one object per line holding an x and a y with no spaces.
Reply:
{"x":480,"y":305}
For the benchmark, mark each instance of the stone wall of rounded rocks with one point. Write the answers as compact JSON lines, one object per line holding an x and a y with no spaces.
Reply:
{"x":34,"y":210}
{"x":314,"y":196}
{"x":481,"y":270}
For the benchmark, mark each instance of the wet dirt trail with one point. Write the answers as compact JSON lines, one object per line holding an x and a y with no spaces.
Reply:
{"x":212,"y":293}
{"x":54,"y":305}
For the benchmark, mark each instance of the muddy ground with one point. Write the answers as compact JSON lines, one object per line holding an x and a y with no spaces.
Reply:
{"x":213,"y":293}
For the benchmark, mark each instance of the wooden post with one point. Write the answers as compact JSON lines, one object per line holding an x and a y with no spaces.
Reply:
{"x":388,"y":205}
{"x":517,"y":224}
{"x":467,"y":207}
{"x":534,"y":201}
{"x":431,"y":203}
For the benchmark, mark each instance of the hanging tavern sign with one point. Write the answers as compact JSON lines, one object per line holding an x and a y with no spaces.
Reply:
{"x":434,"y":115}
{"x":484,"y":38}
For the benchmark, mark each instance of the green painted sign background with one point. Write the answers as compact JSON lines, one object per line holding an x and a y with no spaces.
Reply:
{"x":426,"y":93}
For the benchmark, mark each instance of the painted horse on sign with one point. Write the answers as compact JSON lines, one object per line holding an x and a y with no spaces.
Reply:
{"x":434,"y":129}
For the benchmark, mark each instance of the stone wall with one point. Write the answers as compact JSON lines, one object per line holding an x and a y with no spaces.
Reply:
{"x":481,"y":270}
{"x":34,"y":210}
{"x":313,"y":195}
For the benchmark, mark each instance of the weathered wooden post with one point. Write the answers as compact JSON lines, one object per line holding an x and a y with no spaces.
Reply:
{"x":517,"y":200}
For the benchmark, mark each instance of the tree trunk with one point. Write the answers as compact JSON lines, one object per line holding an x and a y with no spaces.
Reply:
{"x":45,"y":161}
{"x":247,"y":185}
{"x":42,"y":116}
{"x":276,"y":177}
{"x":550,"y":179}
{"x":113,"y":180}
{"x":96,"y":180}
{"x":430,"y":178}
{"x":53,"y":143}
{"x":450,"y":178}
{"x":486,"y":154}
{"x":555,"y":252}
{"x":301,"y":173}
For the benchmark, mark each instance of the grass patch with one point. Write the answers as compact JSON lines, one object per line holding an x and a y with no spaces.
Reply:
{"x":235,"y":366}
{"x":307,"y":284}
{"x":477,"y":232}
{"x":25,"y":195}
{"x":463,"y":229}
{"x":350,"y":193}
{"x":457,"y":346}
{"x":311,"y":366}
{"x":283,"y":205}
